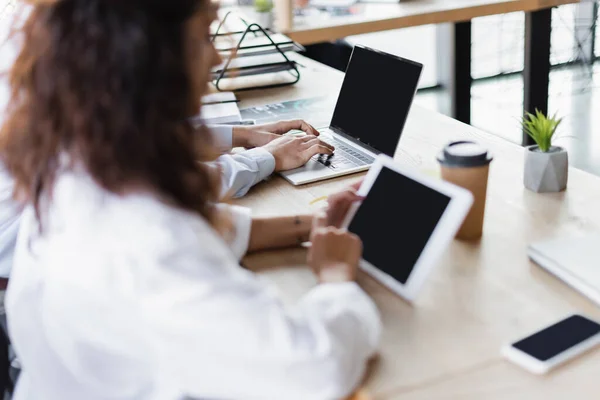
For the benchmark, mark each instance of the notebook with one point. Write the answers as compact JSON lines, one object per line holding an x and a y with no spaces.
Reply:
{"x":575,"y":260}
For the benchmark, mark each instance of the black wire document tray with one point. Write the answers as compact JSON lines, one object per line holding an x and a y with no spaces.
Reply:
{"x":254,"y":58}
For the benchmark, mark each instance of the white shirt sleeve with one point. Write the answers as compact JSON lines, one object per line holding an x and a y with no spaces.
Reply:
{"x":238,"y":237}
{"x":222,"y":136}
{"x":240,"y":171}
{"x":259,"y":348}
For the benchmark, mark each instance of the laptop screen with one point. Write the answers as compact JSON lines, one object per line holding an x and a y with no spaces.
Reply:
{"x":375,"y":98}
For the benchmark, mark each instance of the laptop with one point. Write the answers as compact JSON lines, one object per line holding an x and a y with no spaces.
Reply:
{"x":369,"y":115}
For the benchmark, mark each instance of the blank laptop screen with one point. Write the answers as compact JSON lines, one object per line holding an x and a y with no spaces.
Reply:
{"x":396,"y":221}
{"x":375,"y":98}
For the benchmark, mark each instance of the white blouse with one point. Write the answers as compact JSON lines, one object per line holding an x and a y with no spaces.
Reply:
{"x":239,"y":172}
{"x":130,"y":298}
{"x":10,"y":213}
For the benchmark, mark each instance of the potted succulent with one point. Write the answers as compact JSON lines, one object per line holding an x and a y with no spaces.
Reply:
{"x":546,"y":165}
{"x":264,"y":13}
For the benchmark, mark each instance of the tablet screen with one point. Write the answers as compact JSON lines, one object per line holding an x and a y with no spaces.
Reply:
{"x":395,"y":222}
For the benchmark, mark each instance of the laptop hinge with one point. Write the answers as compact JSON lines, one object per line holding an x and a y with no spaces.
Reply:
{"x":352,"y":139}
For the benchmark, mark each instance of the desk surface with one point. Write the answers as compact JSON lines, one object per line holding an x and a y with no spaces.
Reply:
{"x":381,"y":17}
{"x":481,"y":296}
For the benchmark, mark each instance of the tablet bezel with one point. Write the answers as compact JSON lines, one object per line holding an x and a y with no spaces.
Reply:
{"x":444,"y":232}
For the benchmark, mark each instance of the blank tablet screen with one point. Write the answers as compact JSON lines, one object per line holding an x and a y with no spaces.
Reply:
{"x":395,"y":222}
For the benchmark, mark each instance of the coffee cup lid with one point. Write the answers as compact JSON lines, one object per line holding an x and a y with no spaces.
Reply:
{"x":464,"y":154}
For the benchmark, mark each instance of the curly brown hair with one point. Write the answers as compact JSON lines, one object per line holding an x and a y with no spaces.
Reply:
{"x":106,"y":82}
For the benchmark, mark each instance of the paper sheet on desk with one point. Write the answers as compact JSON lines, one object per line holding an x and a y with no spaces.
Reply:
{"x":316,"y":111}
{"x":219,"y":112}
{"x":219,"y":97}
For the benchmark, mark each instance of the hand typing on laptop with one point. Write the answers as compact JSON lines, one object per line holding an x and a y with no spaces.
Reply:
{"x":293,"y":152}
{"x":260,"y":135}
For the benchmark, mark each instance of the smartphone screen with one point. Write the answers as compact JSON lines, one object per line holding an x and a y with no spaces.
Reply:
{"x":558,"y":338}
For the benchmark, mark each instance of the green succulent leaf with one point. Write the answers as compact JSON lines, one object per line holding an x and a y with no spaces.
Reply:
{"x":263,"y":5}
{"x":541,"y":128}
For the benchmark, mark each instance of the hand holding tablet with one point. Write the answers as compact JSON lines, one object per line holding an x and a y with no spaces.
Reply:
{"x":335,"y":253}
{"x":339,"y":204}
{"x":406,"y":221}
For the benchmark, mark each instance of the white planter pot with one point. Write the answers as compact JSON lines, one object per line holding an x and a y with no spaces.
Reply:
{"x":264,"y":19}
{"x":546,"y":172}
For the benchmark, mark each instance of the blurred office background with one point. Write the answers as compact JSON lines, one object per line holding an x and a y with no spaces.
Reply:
{"x":497,"y":64}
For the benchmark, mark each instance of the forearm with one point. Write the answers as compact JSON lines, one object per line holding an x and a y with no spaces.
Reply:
{"x":240,"y":137}
{"x":275,"y":232}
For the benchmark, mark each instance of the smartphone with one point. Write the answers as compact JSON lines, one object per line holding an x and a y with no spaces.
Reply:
{"x":554,"y":345}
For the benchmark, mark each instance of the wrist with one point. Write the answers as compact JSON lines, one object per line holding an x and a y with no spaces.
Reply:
{"x":336,"y":273}
{"x":240,"y":136}
{"x":303,"y":225}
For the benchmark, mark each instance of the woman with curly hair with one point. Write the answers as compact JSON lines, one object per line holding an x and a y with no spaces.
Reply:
{"x":126,"y":281}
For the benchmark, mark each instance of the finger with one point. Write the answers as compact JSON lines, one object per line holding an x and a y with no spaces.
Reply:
{"x":355,"y":247}
{"x":355,"y":240}
{"x":356,"y":185}
{"x":338,"y":214}
{"x":314,"y":141}
{"x":308,"y":128}
{"x":339,"y":198}
{"x":346,"y":196}
{"x":302,"y":125}
{"x":339,"y":204}
{"x":317,"y":149}
{"x":286,"y":126}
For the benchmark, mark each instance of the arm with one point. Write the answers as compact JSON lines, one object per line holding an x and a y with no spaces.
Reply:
{"x":226,"y":137}
{"x":241,"y":171}
{"x":228,"y":335}
{"x":260,"y":135}
{"x":183,"y":308}
{"x":253,"y":234}
{"x":274,"y":232}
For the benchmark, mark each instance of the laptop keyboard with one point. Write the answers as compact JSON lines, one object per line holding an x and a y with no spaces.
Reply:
{"x":345,"y":156}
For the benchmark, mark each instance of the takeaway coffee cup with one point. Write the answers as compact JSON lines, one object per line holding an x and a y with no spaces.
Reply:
{"x":467,"y":164}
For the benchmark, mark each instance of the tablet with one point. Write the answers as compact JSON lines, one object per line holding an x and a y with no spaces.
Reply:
{"x":406,"y":221}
